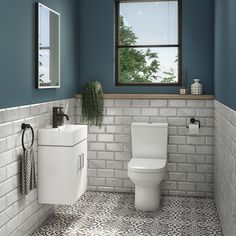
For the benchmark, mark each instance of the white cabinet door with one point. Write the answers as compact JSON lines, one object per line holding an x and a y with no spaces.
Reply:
{"x":62,"y":173}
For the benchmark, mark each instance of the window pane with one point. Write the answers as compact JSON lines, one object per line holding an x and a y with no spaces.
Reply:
{"x":148,"y":65}
{"x":149,"y":23}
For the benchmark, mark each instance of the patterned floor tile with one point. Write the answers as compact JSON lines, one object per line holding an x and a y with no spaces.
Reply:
{"x":113,"y":214}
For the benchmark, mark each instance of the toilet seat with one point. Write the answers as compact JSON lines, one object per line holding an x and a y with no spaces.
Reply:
{"x":146,"y":165}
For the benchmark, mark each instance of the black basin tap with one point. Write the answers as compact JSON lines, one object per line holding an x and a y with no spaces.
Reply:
{"x":58,"y":117}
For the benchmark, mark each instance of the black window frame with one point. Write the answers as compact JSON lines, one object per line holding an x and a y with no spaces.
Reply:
{"x":117,"y":46}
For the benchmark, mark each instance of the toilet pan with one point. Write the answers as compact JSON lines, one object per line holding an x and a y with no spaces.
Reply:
{"x":147,"y":175}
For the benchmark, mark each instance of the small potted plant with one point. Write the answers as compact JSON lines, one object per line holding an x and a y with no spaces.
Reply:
{"x":92,"y":103}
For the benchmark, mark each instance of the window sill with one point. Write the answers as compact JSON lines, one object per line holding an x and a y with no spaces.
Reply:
{"x":156,"y":96}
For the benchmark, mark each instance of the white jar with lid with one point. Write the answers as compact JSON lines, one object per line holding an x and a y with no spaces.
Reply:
{"x":196,"y":87}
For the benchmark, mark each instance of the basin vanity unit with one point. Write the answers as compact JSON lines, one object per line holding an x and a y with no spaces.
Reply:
{"x":62,"y":164}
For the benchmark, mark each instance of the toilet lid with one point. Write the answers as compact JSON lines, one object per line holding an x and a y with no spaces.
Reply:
{"x":146,"y":165}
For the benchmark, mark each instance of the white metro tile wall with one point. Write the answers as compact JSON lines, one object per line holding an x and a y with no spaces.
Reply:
{"x":21,"y":215}
{"x":190,"y":158}
{"x":225,"y":167}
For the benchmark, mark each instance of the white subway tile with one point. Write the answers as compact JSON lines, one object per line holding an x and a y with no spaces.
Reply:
{"x":205,"y":112}
{"x":176,"y":158}
{"x":114,"y":129}
{"x":176,"y":103}
{"x":195,"y":159}
{"x":121,"y":174}
{"x":105,"y":173}
{"x":105,"y":137}
{"x":96,"y":129}
{"x":114,"y":164}
{"x":204,"y":150}
{"x":141,"y":119}
{"x":177,"y":139}
{"x":170,"y":185}
{"x":96,"y":181}
{"x":108,"y":102}
{"x":6,"y":158}
{"x":132,"y":111}
{"x":3,"y":144}
{"x":186,"y":112}
{"x":186,"y":149}
{"x":3,"y":204}
{"x":92,"y":172}
{"x":105,"y":189}
{"x":12,"y":113}
{"x":108,"y":120}
{"x":195,"y":140}
{"x":172,"y":148}
{"x":172,"y":130}
{"x":124,"y":190}
{"x":171,"y":166}
{"x":177,"y":121}
{"x":196,"y":177}
{"x":122,"y":102}
{"x":128,"y":183}
{"x":122,"y":156}
{"x":167,"y":111}
{"x":204,"y":168}
{"x":140,"y":103}
{"x":92,"y":137}
{"x":114,"y":147}
{"x":24,"y":111}
{"x":184,"y":167}
{"x":114,"y":182}
{"x":149,"y":112}
{"x":123,"y":120}
{"x":96,"y":146}
{"x":196,"y":103}
{"x":210,"y":103}
{"x":6,"y":129}
{"x":206,"y":187}
{"x":13,"y":169}
{"x":158,"y":103}
{"x":3,"y":115}
{"x":177,"y":176}
{"x":122,"y":138}
{"x":92,"y":155}
{"x":96,"y":164}
{"x":105,"y":155}
{"x":110,"y":111}
{"x":186,"y":186}
{"x":3,"y":174}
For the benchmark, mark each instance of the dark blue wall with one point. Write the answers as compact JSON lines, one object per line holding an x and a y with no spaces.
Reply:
{"x":17,"y":52}
{"x":96,"y":45}
{"x":225,"y":52}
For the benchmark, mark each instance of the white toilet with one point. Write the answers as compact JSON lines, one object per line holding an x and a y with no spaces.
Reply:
{"x":147,"y":167}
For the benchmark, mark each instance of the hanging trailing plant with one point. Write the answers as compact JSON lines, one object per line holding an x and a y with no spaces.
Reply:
{"x":92,"y":103}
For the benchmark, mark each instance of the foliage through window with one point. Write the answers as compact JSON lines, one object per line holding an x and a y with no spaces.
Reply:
{"x":148,"y":50}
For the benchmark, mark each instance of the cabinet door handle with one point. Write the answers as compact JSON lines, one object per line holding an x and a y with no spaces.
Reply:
{"x":79,"y":161}
{"x":82,"y":160}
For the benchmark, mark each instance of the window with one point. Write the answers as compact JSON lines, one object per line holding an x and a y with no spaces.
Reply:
{"x":148,"y":49}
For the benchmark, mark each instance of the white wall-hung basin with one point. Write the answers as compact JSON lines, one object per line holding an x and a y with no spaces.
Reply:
{"x":62,"y":164}
{"x":66,"y":135}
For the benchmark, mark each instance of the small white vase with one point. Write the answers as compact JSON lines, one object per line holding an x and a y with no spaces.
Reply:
{"x":196,"y":87}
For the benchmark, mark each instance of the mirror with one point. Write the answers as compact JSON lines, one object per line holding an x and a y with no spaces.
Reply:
{"x":48,"y":47}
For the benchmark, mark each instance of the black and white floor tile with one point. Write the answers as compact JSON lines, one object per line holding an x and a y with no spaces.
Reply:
{"x":112,"y":214}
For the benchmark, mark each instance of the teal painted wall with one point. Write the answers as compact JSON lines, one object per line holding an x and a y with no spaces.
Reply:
{"x":87,"y":48}
{"x":17,"y":52}
{"x":225,"y":52}
{"x":96,"y":45}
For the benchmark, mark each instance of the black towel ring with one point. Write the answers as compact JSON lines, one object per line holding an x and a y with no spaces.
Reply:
{"x":24,"y":127}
